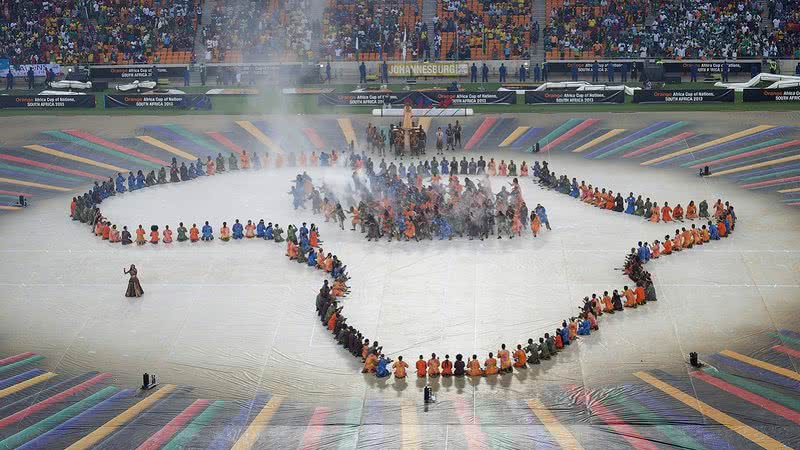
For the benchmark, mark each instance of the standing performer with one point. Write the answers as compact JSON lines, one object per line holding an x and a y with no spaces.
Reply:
{"x":134,"y":288}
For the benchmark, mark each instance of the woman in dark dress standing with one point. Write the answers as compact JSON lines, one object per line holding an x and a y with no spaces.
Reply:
{"x":134,"y":287}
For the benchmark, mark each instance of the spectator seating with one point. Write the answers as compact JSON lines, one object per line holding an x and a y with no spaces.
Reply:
{"x":484,"y":29}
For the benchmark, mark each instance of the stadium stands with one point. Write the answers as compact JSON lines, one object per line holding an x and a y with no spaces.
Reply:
{"x":484,"y":29}
{"x":784,"y":20}
{"x":98,"y":31}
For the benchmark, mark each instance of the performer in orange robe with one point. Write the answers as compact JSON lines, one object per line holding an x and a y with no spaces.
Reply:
{"x":245,"y":160}
{"x":167,"y":235}
{"x":370,"y":363}
{"x":536,"y":224}
{"x":250,"y":230}
{"x":520,"y":357}
{"x":154,"y":237}
{"x":667,"y":245}
{"x":210,"y":167}
{"x":447,"y":366}
{"x":490,"y":365}
{"x":609,"y":201}
{"x":655,"y":250}
{"x":400,"y":367}
{"x":194,"y":233}
{"x":721,"y":229}
{"x":474,"y":367}
{"x":640,"y":296}
{"x":505,"y":359}
{"x":314,"y":160}
{"x":688,"y":238}
{"x":691,"y":211}
{"x":332,"y":322}
{"x":630,"y":298}
{"x":433,"y":366}
{"x":608,"y":307}
{"x":106,"y":231}
{"x":677,"y":212}
{"x":666,"y":213}
{"x":225,"y":232}
{"x":677,"y":242}
{"x":410,"y":231}
{"x":422,"y":367}
{"x":313,"y":238}
{"x":654,"y":214}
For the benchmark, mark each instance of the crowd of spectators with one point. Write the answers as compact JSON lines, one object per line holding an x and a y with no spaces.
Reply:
{"x":482,"y":29}
{"x":375,"y":28}
{"x":784,"y":17}
{"x":261,"y":29}
{"x":95,"y":31}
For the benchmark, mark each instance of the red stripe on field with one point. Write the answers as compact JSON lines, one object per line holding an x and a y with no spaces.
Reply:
{"x":15,"y":358}
{"x":793,"y":204}
{"x":636,"y":440}
{"x":15,"y":193}
{"x":480,"y":132}
{"x":225,"y":141}
{"x":784,"y":349}
{"x":476,"y":439}
{"x":158,"y":440}
{"x":663,"y":143}
{"x":580,"y":127}
{"x":33,"y":409}
{"x":314,"y":430}
{"x":750,"y":153}
{"x":29,"y":162}
{"x":312,"y":136}
{"x":757,"y":400}
{"x":771,"y":182}
{"x":120,"y":148}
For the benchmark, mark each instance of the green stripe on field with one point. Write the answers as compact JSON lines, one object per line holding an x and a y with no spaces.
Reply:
{"x":41,"y":173}
{"x":62,"y":416}
{"x":563,"y":128}
{"x":771,"y":175}
{"x":353,"y":424}
{"x":14,"y":365}
{"x":734,"y":152}
{"x":755,"y":388}
{"x":677,"y":437}
{"x":635,"y":142}
{"x":197,"y":139}
{"x":787,"y":340}
{"x":102,"y":149}
{"x":182,"y":438}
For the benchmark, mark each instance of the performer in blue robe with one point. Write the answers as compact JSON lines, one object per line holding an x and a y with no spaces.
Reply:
{"x":445,"y":167}
{"x":383,"y":370}
{"x":312,"y":258}
{"x":120,"y":183}
{"x":713,"y":232}
{"x":401,"y":170}
{"x":268,"y":232}
{"x":256,"y":161}
{"x":139,"y":180}
{"x":564,"y":333}
{"x":131,"y":182}
{"x":208,"y":233}
{"x":324,"y":159}
{"x":574,"y":192}
{"x":631,"y":204}
{"x":261,"y":229}
{"x":238,"y":230}
{"x":584,"y":328}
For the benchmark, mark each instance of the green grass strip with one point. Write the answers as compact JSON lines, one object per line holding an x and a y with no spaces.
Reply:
{"x":755,"y":388}
{"x":197,"y":139}
{"x":20,"y":363}
{"x":65,"y":414}
{"x":734,"y":152}
{"x":563,"y":128}
{"x":41,"y":173}
{"x":787,"y":340}
{"x":182,"y":438}
{"x":653,"y":135}
{"x":101,"y":149}
{"x":677,"y":437}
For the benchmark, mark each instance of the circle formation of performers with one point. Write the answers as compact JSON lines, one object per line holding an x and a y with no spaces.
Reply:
{"x":407,"y":198}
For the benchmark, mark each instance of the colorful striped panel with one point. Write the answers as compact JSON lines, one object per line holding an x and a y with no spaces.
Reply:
{"x":409,"y":425}
{"x":250,"y":435}
{"x":786,"y":191}
{"x":768,"y":171}
{"x":10,"y":208}
{"x":705,"y":145}
{"x":483,"y":128}
{"x":759,"y":165}
{"x":655,"y":146}
{"x":224,"y":440}
{"x":676,"y":436}
{"x":20,"y":356}
{"x":558,"y":131}
{"x":10,"y":381}
{"x":132,"y":156}
{"x":182,"y":439}
{"x":39,"y":173}
{"x":599,"y":140}
{"x":619,"y":426}
{"x":117,"y":422}
{"x":569,"y":134}
{"x":166,"y":147}
{"x":668,"y":129}
{"x":315,"y":139}
{"x":755,"y":388}
{"x":735,"y":143}
{"x":761,"y":184}
{"x":53,"y":420}
{"x":195,"y":138}
{"x":313,"y":434}
{"x":756,"y":372}
{"x":20,"y":362}
{"x":26,"y":384}
{"x":789,"y":351}
{"x":749,"y":433}
{"x":349,"y":133}
{"x":519,"y":131}
{"x":476,"y":439}
{"x":114,"y":146}
{"x":33,"y":163}
{"x":63,"y":155}
{"x":20,"y":415}
{"x":176,"y":140}
{"x":748,"y":154}
{"x":167,"y":431}
{"x":261,"y":137}
{"x":560,"y":433}
{"x":699,"y":162}
{"x":775,"y":173}
{"x":631,"y":137}
{"x":83,"y":421}
{"x":530,"y":134}
{"x":227,"y":143}
{"x":15,"y":194}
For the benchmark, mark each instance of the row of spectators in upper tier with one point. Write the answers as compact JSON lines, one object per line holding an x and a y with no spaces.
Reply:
{"x":258,"y":30}
{"x":97,"y":31}
{"x":679,"y":29}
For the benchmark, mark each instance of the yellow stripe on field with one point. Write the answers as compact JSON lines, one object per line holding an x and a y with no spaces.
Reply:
{"x":562,"y":436}
{"x":408,"y":425}
{"x":513,"y":136}
{"x":599,"y":139}
{"x":425,"y":122}
{"x":764,"y":365}
{"x":60,"y":154}
{"x":260,"y":137}
{"x":9,"y":208}
{"x":32,"y":184}
{"x":166,"y":147}
{"x":349,"y":134}
{"x":757,"y":165}
{"x":114,"y":424}
{"x":699,"y":147}
{"x":250,"y":436}
{"x":26,"y":384}
{"x":734,"y":425}
{"x":786,"y":191}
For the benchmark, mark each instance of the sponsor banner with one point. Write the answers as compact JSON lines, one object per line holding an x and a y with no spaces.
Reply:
{"x":419,"y":99}
{"x":711,"y":67}
{"x":586,"y":67}
{"x":232,"y":91}
{"x":39,"y":70}
{"x":567,"y":97}
{"x":684,"y":96}
{"x":439,"y":69}
{"x":166,"y":101}
{"x":134,"y":72}
{"x":47,"y":101}
{"x":772,"y":95}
